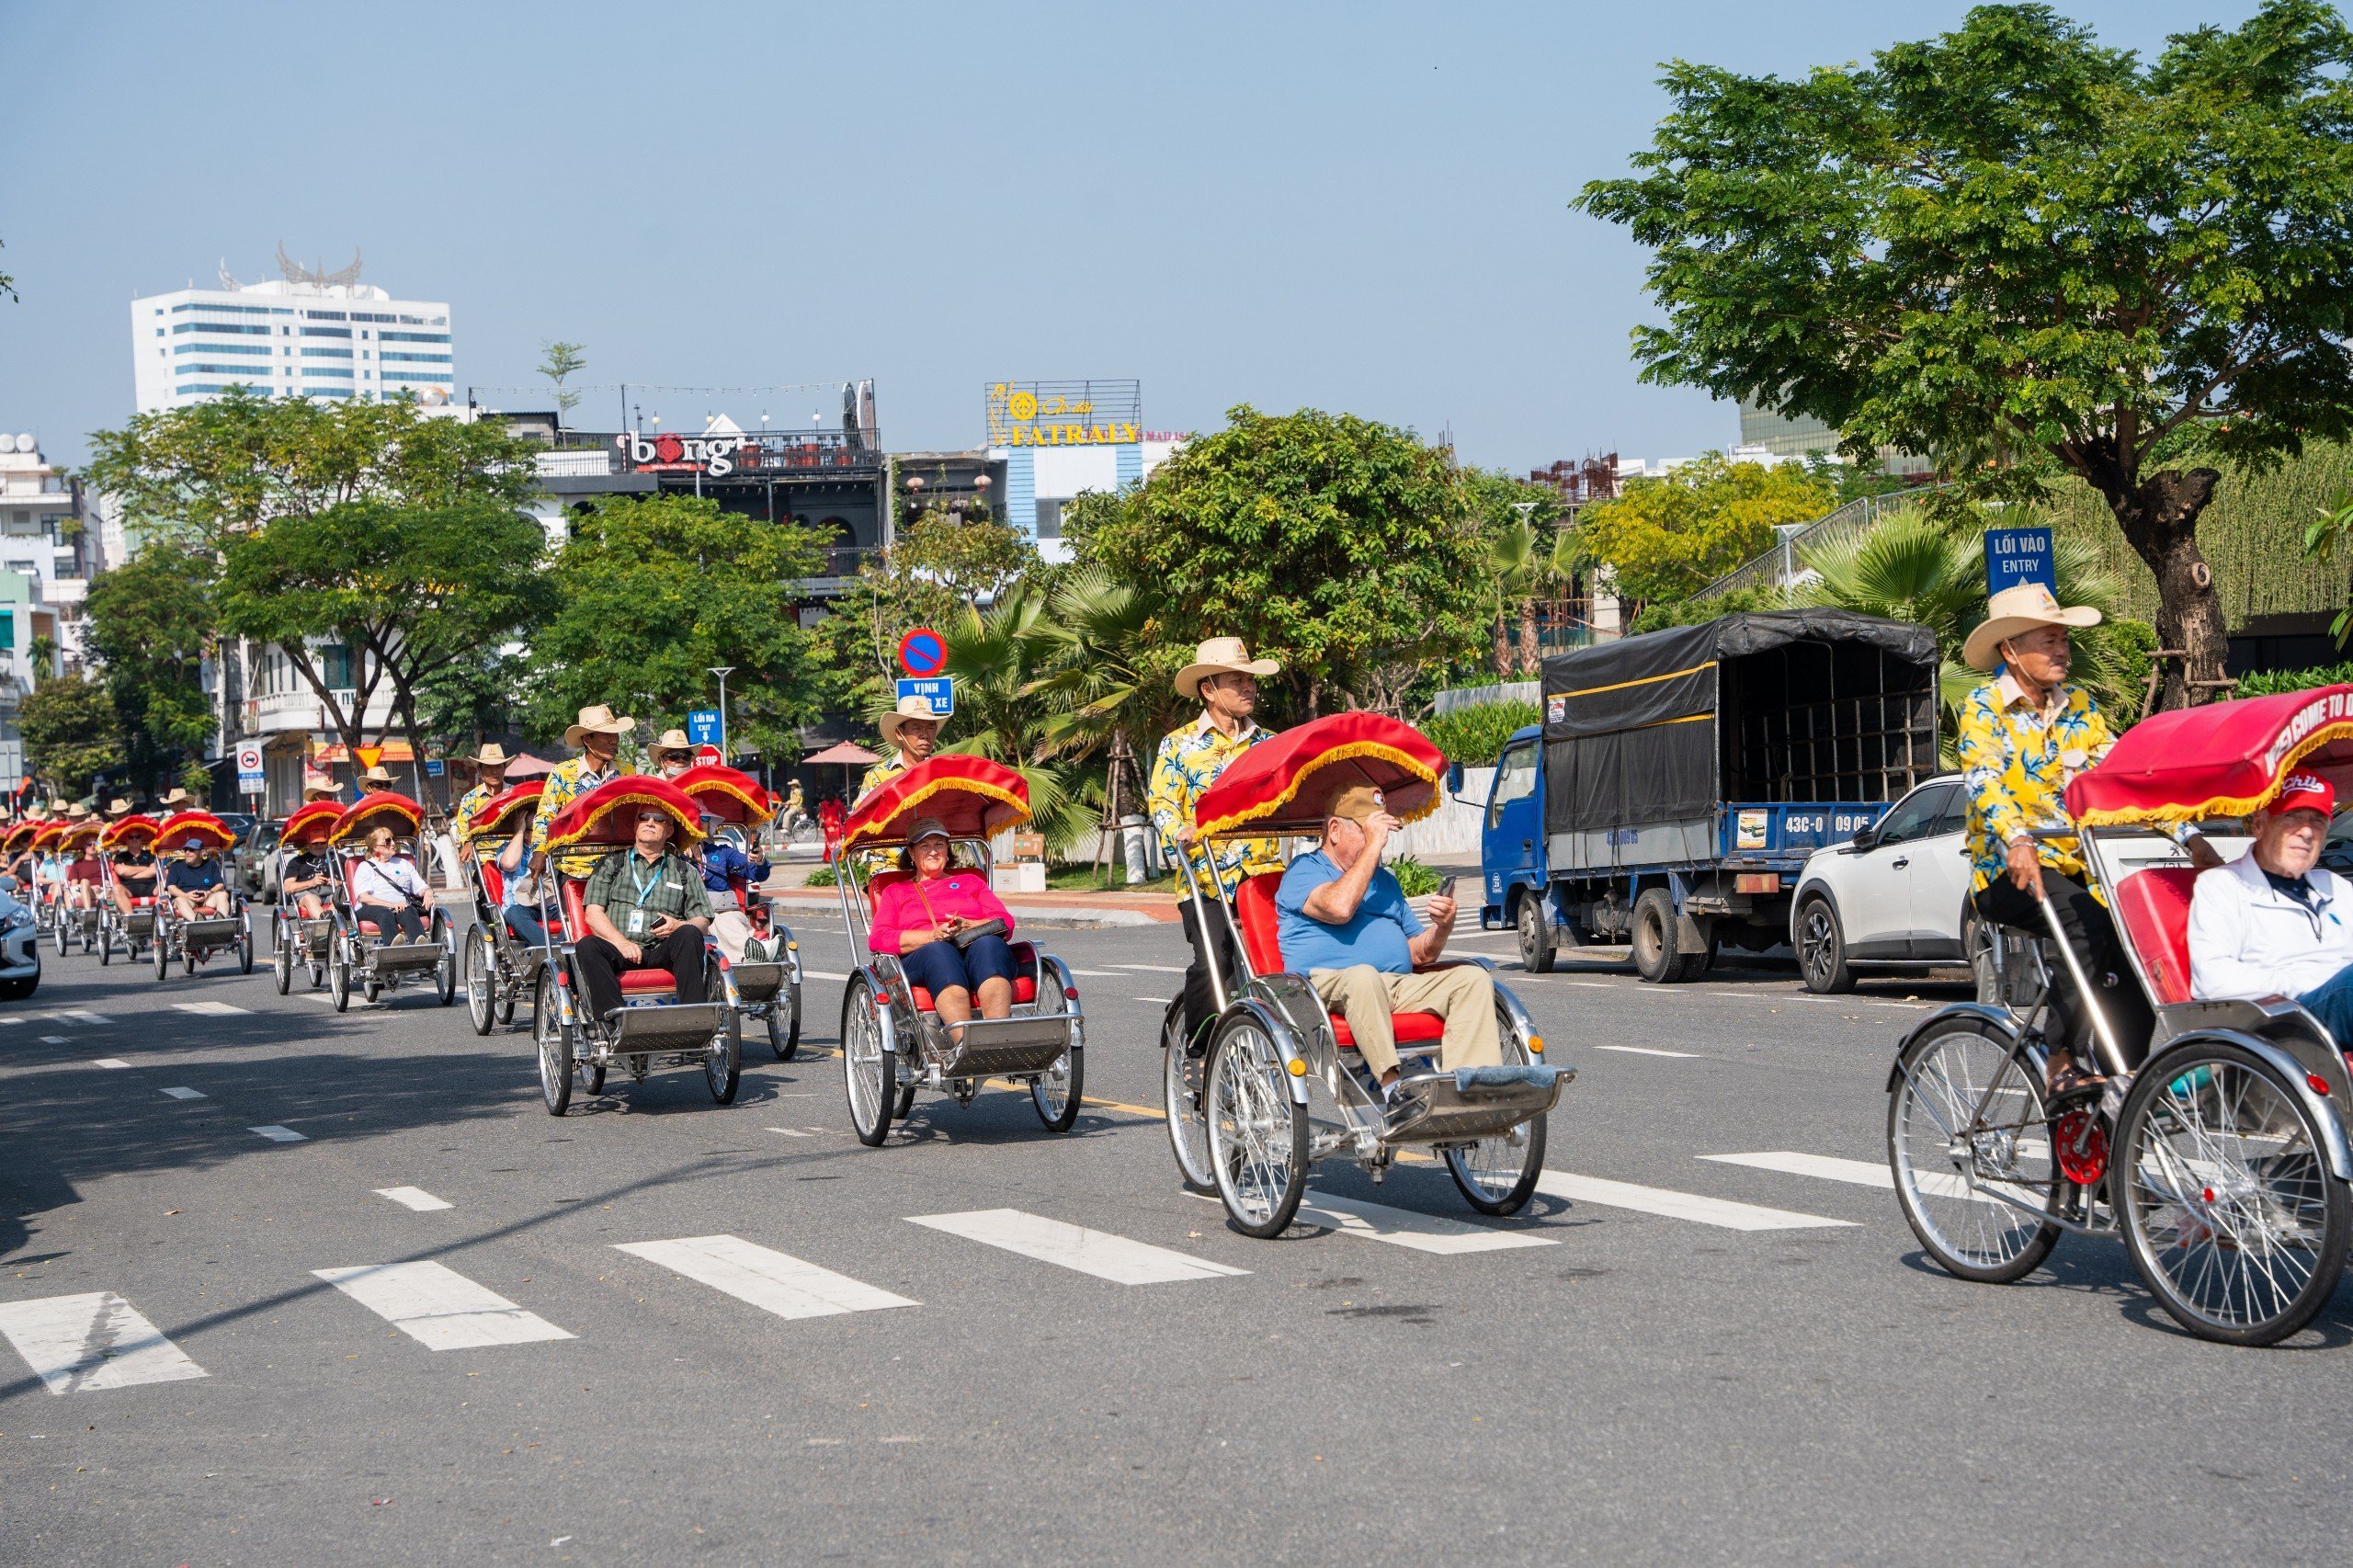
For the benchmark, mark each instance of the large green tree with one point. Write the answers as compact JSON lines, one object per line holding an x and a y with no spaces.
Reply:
{"x":654,"y":592}
{"x":149,"y":625}
{"x":71,"y":733}
{"x":1343,"y":547}
{"x":1668,"y":536}
{"x":2012,"y":242}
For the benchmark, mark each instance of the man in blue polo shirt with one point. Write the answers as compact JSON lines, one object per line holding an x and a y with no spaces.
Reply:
{"x":721,"y":863}
{"x":1344,"y":922}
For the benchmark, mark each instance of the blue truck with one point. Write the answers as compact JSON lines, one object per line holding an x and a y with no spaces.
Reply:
{"x":1680,"y":778}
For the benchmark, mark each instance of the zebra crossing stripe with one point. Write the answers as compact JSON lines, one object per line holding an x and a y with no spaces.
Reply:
{"x":82,"y":1344}
{"x":438,"y":1307}
{"x":771,"y":1281}
{"x":1403,"y":1227}
{"x":1860,"y":1173}
{"x":414,"y":1198}
{"x":1678,"y":1205}
{"x":1100,"y":1253}
{"x":211,"y":1009}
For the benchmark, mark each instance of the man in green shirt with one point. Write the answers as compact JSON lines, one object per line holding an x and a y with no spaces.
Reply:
{"x":646,"y":909}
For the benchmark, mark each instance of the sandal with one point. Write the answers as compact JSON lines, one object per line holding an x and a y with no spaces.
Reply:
{"x":2071,"y":1082}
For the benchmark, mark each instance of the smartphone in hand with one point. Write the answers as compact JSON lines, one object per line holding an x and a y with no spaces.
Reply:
{"x":1446,"y":888}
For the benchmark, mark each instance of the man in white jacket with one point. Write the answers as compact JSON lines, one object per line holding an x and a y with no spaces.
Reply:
{"x":2272,"y":923}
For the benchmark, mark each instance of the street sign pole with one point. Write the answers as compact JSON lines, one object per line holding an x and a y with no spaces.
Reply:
{"x":722,"y":671}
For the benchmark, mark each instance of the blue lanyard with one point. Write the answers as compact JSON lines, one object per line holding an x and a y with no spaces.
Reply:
{"x":644,"y":887}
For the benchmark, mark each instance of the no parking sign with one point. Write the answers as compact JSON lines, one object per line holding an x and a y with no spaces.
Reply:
{"x":923,"y":652}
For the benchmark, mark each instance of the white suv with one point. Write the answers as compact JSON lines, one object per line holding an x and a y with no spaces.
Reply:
{"x":1893,"y":897}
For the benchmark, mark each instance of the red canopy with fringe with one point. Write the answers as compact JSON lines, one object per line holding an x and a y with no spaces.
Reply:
{"x":310,"y":823}
{"x":727,"y":794}
{"x":45,"y":837}
{"x":606,"y":815}
{"x":386,"y":808}
{"x":131,"y":831}
{"x":180,"y":826}
{"x":972,"y":798}
{"x":496,"y":814}
{"x":2226,"y":759}
{"x":1286,"y":785}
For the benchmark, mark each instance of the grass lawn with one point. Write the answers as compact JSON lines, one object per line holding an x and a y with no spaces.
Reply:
{"x":1083,"y":877}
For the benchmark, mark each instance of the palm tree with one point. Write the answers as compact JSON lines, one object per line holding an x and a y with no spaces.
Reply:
{"x":1516,"y":563}
{"x":993,"y":657}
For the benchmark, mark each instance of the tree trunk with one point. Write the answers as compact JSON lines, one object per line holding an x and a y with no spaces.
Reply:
{"x":1530,"y":655}
{"x":2160,"y":522}
{"x":1503,"y":647}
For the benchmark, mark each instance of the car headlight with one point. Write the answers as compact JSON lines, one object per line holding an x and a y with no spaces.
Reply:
{"x":16,"y":919}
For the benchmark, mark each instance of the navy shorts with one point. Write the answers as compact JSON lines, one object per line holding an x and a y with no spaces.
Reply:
{"x":941,"y":966}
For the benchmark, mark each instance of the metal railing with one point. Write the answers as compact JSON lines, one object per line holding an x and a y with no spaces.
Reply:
{"x":1781,"y":565}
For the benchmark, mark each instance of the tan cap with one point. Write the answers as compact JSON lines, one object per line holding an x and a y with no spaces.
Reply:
{"x":2014,"y":610}
{"x":1355,"y":803}
{"x":1221,"y":655}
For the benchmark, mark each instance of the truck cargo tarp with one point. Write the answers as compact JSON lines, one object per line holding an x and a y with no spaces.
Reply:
{"x":1631,"y":727}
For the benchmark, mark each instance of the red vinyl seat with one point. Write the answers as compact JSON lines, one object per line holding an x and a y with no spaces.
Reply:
{"x":2153,"y":906}
{"x":494,"y":883}
{"x":1254,"y":902}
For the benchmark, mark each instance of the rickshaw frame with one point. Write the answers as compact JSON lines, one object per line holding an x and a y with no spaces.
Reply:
{"x":352,"y":958}
{"x":136,"y":926}
{"x":294,"y":937}
{"x":499,"y":967}
{"x":766,"y":989}
{"x":196,"y":941}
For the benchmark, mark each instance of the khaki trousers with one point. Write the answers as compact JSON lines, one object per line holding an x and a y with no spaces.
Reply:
{"x":1464,"y":996}
{"x":731,"y":928}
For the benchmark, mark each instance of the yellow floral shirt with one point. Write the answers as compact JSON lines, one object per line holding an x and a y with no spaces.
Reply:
{"x":2016,"y":760}
{"x":1188,"y":762}
{"x":462,"y":818}
{"x":881,"y":773}
{"x":567,"y":781}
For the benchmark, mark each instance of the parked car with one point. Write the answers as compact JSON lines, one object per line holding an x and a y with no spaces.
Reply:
{"x":255,"y":859}
{"x":1892,"y":899}
{"x":19,"y":950}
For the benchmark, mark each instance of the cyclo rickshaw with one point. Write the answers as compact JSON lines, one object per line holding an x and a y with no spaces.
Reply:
{"x":134,"y":930}
{"x":357,"y":955}
{"x":1280,"y":1085}
{"x":653,"y":1029}
{"x":297,"y":942}
{"x":765,"y":986}
{"x":196,"y":941}
{"x":48,"y":898}
{"x":14,"y":843}
{"x":72,"y":925}
{"x":500,"y":964}
{"x":2218,"y":1150}
{"x":893,"y":1040}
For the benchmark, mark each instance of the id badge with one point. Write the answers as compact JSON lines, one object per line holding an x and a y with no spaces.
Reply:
{"x":637,"y":920}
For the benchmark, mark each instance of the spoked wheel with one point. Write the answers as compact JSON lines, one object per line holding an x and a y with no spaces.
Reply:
{"x":506,"y":1005}
{"x":784,"y":1024}
{"x":1257,"y":1137}
{"x":372,"y":989}
{"x":481,"y":968}
{"x":1964,"y":1125}
{"x":445,"y":967}
{"x":2234,"y":1219}
{"x":246,"y":949}
{"x":62,"y":937}
{"x":1059,"y":1091}
{"x":162,"y":957}
{"x":1498,"y":1172}
{"x":105,"y":945}
{"x":723,"y":1061}
{"x":866,"y":1066}
{"x":187,"y":960}
{"x":1188,"y":1133}
{"x":339,"y":979}
{"x":554,"y":1042}
{"x":281,"y":957}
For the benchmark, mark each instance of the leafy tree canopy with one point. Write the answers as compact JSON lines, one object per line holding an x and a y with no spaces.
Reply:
{"x":2013,"y":242}
{"x":71,"y":733}
{"x":653,"y":592}
{"x":1668,"y":537}
{"x":1343,"y":547}
{"x":149,"y":624}
{"x":942,"y":563}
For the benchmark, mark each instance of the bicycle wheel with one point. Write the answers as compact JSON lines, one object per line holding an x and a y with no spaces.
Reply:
{"x":1965,"y":1128}
{"x":2233,"y":1218}
{"x":481,"y":978}
{"x":281,"y":957}
{"x":1257,"y":1135}
{"x":554,"y":1042}
{"x":1058,"y":1092}
{"x":1180,"y":1092}
{"x":866,"y":1066}
{"x":723,"y":1061}
{"x":1498,"y":1173}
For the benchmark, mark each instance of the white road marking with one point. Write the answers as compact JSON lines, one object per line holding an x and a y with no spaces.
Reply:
{"x":11,"y":1020}
{"x":1644,"y":1051}
{"x":184,"y":1094}
{"x":1860,"y":1173}
{"x":1106,"y":1256}
{"x":1594,"y":984}
{"x":211,"y":1009}
{"x":1402,"y":1227}
{"x":1158,"y":1000}
{"x":1678,"y":1205}
{"x":825,"y":974}
{"x":276,"y":1134}
{"x":792,"y":1133}
{"x":78,"y":1016}
{"x":114,"y":1061}
{"x":771,"y":1281}
{"x":79,"y":1344}
{"x":53,"y":1039}
{"x":414,"y":1198}
{"x":438,"y":1307}
{"x":1098,"y":973}
{"x":1155,"y":968}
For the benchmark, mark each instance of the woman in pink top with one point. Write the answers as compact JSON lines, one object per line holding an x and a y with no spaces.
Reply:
{"x":919,"y":918}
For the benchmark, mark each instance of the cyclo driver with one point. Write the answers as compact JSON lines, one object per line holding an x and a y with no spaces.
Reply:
{"x":598,"y":738}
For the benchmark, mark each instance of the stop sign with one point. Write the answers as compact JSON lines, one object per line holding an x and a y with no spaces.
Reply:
{"x":706,"y":757}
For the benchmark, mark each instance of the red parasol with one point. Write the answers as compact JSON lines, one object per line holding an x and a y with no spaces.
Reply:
{"x":1286,"y":784}
{"x":727,"y":794}
{"x":180,"y":826}
{"x":46,"y":836}
{"x":80,"y":834}
{"x":496,"y":814}
{"x":16,"y":837}
{"x":310,"y":823}
{"x":128,"y":833}
{"x":972,"y":798}
{"x":606,"y":815}
{"x":2226,"y":759}
{"x":385,"y":808}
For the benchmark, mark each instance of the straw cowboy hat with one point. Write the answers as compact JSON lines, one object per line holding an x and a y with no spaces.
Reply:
{"x":117,"y":807}
{"x":2014,"y":610}
{"x":597,"y":719}
{"x":78,"y":812}
{"x":319,"y":786}
{"x":492,"y":755}
{"x":672,"y":740}
{"x":910,"y":709}
{"x":378,"y":774}
{"x":178,"y":797}
{"x":1220,"y":656}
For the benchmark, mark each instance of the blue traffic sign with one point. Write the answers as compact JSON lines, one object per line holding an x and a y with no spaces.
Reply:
{"x":938,"y":690}
{"x":923,"y":651}
{"x":2013,"y":556}
{"x":702,"y":726}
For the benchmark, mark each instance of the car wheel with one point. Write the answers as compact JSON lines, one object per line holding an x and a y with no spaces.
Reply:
{"x":1656,"y":958}
{"x":1533,"y":922}
{"x":1822,"y":948}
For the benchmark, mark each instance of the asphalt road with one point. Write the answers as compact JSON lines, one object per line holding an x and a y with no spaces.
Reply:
{"x":1683,"y":1359}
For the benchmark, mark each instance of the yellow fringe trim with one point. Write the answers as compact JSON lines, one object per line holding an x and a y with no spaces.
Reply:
{"x":1224,"y":826}
{"x":365,"y":823}
{"x":117,"y":834}
{"x":689,"y":831}
{"x":2223,"y":805}
{"x":759,"y":813}
{"x":870,"y":831}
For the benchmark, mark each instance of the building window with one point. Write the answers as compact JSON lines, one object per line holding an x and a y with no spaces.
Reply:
{"x":262,"y":348}
{"x":219,"y":327}
{"x":8,"y":632}
{"x":1049,"y":519}
{"x":416,"y":336}
{"x":326,"y":332}
{"x":326,"y":353}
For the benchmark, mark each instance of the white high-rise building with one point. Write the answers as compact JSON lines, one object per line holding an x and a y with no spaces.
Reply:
{"x":309,"y":334}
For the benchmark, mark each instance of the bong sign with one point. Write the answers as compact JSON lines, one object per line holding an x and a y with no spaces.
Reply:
{"x":713,"y":454}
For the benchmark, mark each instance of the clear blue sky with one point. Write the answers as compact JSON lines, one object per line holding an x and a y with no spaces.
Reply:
{"x":1358,"y":207}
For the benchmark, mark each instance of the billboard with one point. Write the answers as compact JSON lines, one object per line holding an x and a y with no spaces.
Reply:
{"x":1065,"y":413}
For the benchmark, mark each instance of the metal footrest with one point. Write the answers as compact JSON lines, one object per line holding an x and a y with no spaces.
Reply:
{"x":1444,"y":1114}
{"x":400,"y":958}
{"x":1007,"y":1048}
{"x":757,"y":983}
{"x":687,"y":1025}
{"x":211,"y":933}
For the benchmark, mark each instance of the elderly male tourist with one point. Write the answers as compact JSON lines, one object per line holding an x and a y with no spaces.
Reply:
{"x":1223,"y":678}
{"x":646,"y":909}
{"x":2274,"y":922}
{"x":910,"y":731}
{"x":598,"y":738}
{"x":2022,"y":737}
{"x":1343,"y":921}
